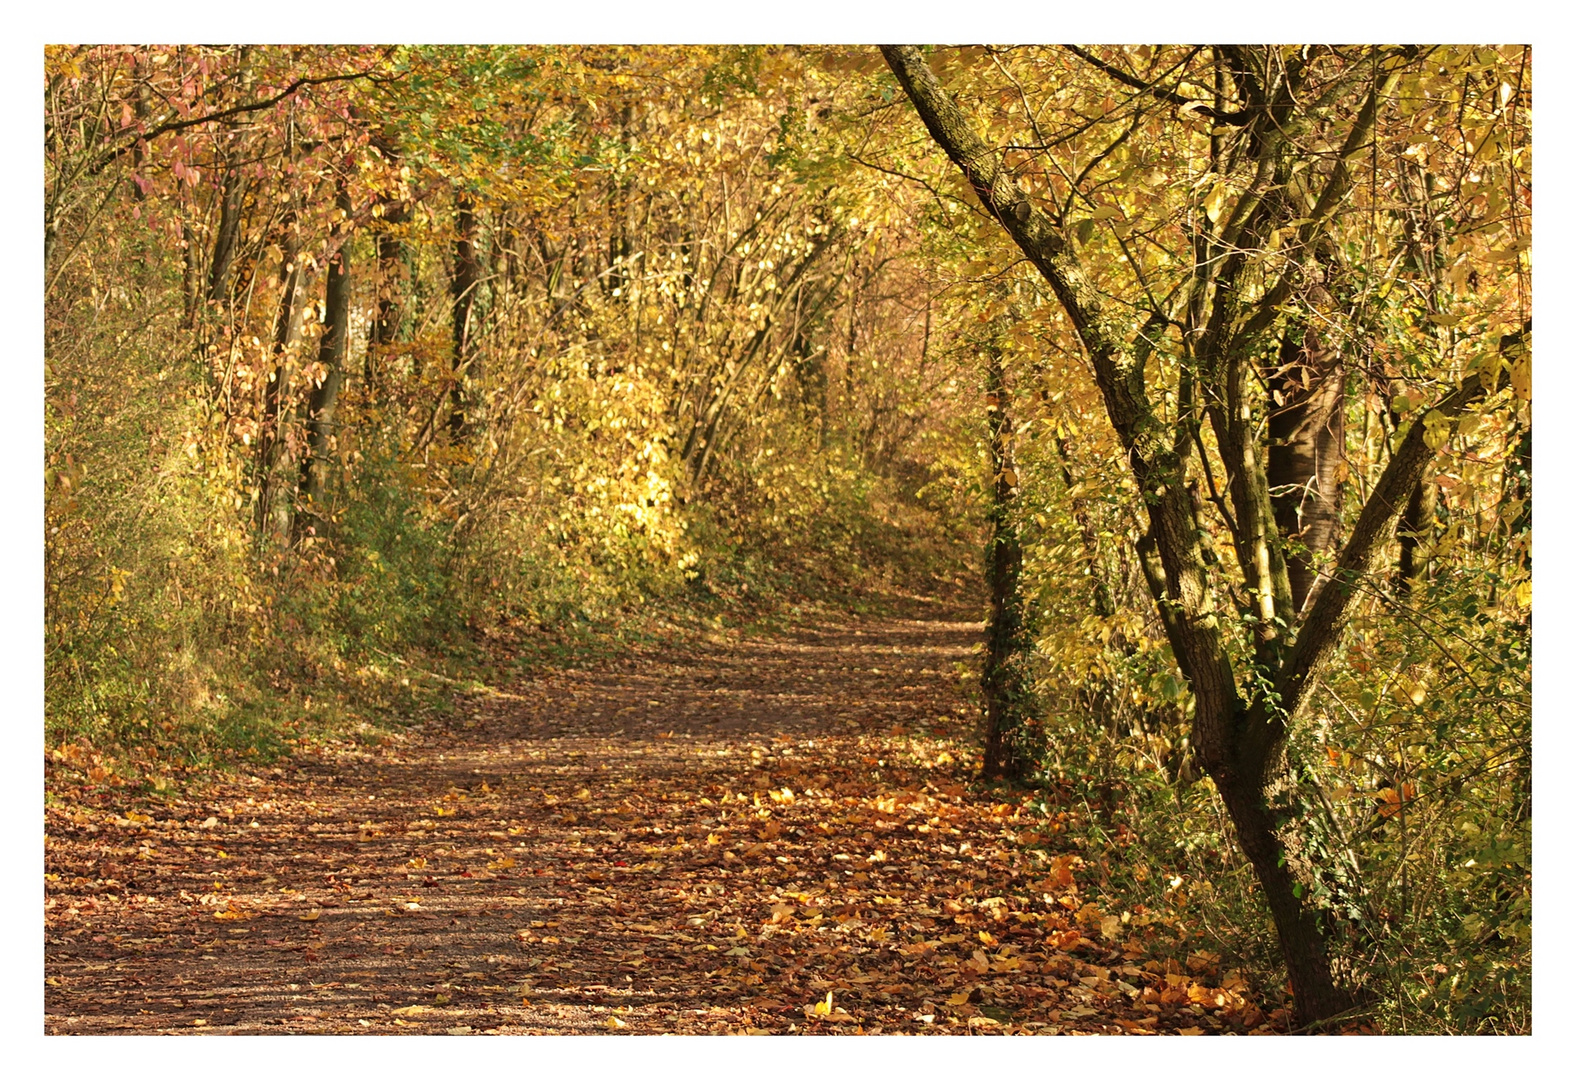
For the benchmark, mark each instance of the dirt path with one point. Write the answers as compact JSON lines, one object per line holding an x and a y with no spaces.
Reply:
{"x":684,"y":841}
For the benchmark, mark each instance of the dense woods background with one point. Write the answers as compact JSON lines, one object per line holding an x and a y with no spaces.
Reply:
{"x":370,"y":370}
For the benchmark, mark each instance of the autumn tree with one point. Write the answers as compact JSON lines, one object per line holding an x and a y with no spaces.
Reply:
{"x":1220,"y":332}
{"x":1006,"y":679}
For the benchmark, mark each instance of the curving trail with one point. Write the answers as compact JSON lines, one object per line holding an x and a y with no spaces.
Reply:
{"x":705,"y":839}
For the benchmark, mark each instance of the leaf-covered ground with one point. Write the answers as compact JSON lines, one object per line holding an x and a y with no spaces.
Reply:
{"x":758,"y":835}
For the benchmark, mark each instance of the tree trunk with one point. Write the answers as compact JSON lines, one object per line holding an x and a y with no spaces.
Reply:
{"x":390,"y":277}
{"x":1010,"y":738}
{"x":325,"y":397}
{"x":1307,"y":431}
{"x":391,"y":282}
{"x":1104,"y":605}
{"x":1521,"y":484}
{"x":287,"y":330}
{"x":809,"y":364}
{"x":1416,"y":533}
{"x":1250,"y":790}
{"x":191,"y":271}
{"x":231,"y":201}
{"x":467,"y":273}
{"x":232,"y":196}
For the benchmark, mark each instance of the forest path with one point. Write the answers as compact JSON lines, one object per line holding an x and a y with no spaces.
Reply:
{"x":696,"y":839}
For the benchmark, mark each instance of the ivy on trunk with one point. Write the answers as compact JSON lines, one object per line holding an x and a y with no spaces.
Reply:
{"x":1245,"y":704}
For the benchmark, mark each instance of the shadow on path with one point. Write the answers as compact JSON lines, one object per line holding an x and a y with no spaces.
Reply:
{"x":700,"y":839}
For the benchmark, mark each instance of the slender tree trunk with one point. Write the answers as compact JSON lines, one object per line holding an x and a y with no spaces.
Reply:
{"x":810,"y":371}
{"x":231,"y":198}
{"x":1104,"y":605}
{"x":231,"y":201}
{"x":1521,"y":484}
{"x":467,"y":273}
{"x":391,"y":258}
{"x":1416,"y":533}
{"x":1426,"y":252}
{"x":287,"y":331}
{"x":390,"y":291}
{"x":190,"y":271}
{"x":325,"y":397}
{"x":391,"y":288}
{"x":1010,"y":736}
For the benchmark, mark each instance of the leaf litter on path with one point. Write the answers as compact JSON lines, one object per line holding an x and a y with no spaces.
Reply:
{"x":769,"y":835}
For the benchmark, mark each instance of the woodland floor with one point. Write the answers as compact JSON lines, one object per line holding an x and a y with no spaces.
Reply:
{"x":693,"y":839}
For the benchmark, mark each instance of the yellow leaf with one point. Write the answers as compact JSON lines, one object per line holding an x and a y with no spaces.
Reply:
{"x":824,"y":1008}
{"x":960,"y":998}
{"x":1215,"y":201}
{"x":312,"y":916}
{"x":412,"y":1010}
{"x":1521,"y":378}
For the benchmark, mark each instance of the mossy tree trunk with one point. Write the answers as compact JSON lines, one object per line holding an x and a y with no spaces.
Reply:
{"x":1011,"y":737}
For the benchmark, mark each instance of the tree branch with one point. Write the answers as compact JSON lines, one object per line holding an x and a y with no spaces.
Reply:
{"x":1330,"y":604}
{"x":222,"y":114}
{"x":1240,"y":118}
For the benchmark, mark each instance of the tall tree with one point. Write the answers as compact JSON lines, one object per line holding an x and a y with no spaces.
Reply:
{"x":1270,"y":217}
{"x":1010,"y":750}
{"x":294,"y":282}
{"x":393,"y":216}
{"x":463,"y":283}
{"x":323,"y":404}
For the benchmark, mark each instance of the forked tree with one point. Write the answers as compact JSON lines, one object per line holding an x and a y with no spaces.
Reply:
{"x":1237,"y":364}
